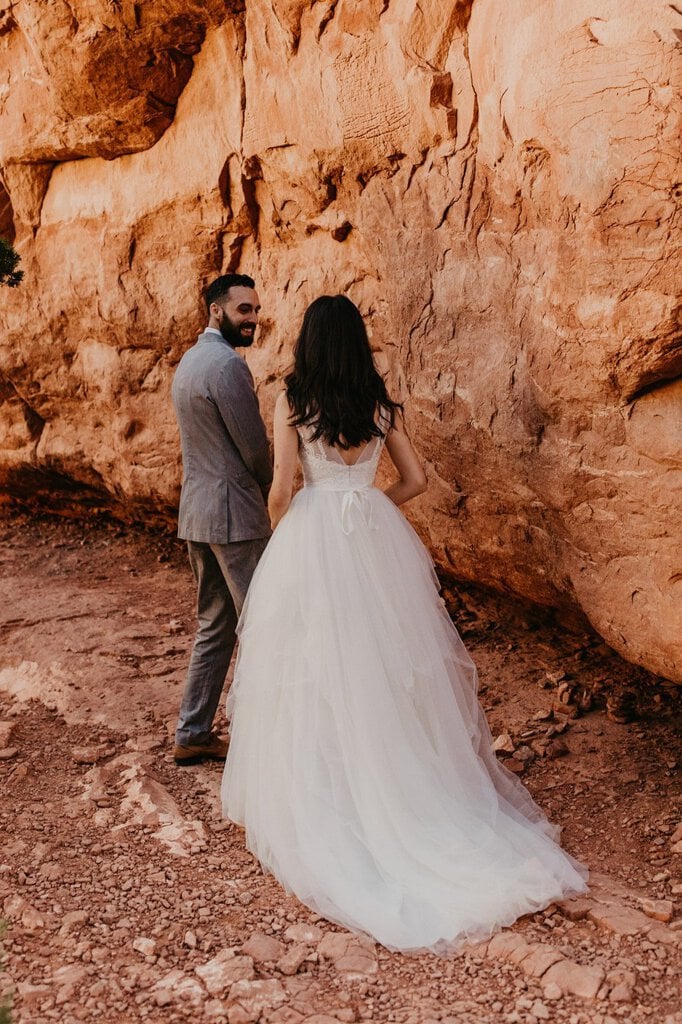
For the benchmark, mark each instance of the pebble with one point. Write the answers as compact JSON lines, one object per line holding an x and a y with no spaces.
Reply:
{"x":7,"y":753}
{"x":253,"y":997}
{"x":143,"y":944}
{"x":576,"y":979}
{"x":352,"y":955}
{"x":503,"y":744}
{"x":90,"y":755}
{"x":659,"y":910}
{"x":263,"y":948}
{"x":72,"y":919}
{"x":177,"y":987}
{"x":308,"y":933}
{"x":220,"y":973}
{"x":5,"y":733}
{"x":557,"y":748}
{"x":292,"y":960}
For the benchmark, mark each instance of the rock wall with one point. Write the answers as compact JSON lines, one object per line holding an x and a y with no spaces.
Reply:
{"x":496,"y":185}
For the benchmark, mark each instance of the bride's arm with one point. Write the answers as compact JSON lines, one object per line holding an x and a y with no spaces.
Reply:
{"x":286,"y":454}
{"x":412,"y":477}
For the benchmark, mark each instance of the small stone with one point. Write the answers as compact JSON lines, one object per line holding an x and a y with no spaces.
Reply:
{"x":539,"y":1010}
{"x":551,"y":992}
{"x":224,"y":970}
{"x":308,"y":933}
{"x":144,"y":945}
{"x":72,"y":919}
{"x":619,"y":919}
{"x":620,"y":984}
{"x":89,"y":755}
{"x":504,"y":944}
{"x":557,"y":748}
{"x":178,"y":987}
{"x":292,"y":960}
{"x":503,"y":744}
{"x":576,"y":909}
{"x":248,"y":999}
{"x":659,"y":910}
{"x":263,"y":948}
{"x":245,"y":898}
{"x":190,"y":940}
{"x":576,"y":979}
{"x":352,"y":955}
{"x":5,"y":733}
{"x":621,"y":993}
{"x":7,"y":753}
{"x":17,"y":908}
{"x":146,"y":743}
{"x":51,"y":870}
{"x":32,"y":920}
{"x":539,"y":959}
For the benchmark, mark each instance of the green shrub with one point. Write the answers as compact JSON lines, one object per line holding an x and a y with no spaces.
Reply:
{"x":9,"y":275}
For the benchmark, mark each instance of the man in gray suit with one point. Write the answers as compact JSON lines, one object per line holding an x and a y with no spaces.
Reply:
{"x":227,"y":469}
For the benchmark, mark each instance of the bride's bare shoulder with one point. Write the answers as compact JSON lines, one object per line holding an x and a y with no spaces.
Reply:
{"x":283,"y":414}
{"x":282,"y":400}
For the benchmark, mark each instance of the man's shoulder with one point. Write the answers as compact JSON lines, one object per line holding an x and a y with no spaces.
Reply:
{"x":208,"y":352}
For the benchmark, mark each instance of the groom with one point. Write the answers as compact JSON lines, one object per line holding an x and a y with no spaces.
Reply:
{"x":226,"y":472}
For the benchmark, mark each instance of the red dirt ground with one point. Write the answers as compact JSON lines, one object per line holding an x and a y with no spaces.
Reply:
{"x":120,"y":881}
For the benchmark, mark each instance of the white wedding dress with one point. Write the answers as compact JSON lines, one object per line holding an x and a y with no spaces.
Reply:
{"x":360,"y":762}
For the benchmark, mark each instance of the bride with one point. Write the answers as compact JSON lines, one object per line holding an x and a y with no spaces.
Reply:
{"x":360,"y":762}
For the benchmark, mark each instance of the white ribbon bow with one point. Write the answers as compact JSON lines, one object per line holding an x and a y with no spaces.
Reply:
{"x":360,"y":500}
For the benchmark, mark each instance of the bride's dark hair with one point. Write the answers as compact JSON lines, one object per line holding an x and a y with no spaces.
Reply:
{"x":334,"y":383}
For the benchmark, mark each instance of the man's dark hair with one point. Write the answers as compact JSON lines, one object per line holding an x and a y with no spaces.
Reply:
{"x":219,"y":288}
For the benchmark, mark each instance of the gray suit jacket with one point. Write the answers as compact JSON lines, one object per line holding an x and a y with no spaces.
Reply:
{"x":225,"y":451}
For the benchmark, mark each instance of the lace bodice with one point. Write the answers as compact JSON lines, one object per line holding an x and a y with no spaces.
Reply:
{"x":324,"y":467}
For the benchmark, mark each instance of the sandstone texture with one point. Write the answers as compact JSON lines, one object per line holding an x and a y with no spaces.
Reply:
{"x":496,"y":186}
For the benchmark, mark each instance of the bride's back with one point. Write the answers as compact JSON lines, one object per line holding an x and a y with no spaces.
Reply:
{"x":335,"y":467}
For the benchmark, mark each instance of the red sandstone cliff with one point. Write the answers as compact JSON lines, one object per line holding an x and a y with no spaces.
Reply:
{"x":496,"y":185}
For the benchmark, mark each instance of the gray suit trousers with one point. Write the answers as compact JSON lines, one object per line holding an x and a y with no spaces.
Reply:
{"x":223,"y":573}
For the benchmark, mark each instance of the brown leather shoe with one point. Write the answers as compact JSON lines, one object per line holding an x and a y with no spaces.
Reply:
{"x":214,"y":749}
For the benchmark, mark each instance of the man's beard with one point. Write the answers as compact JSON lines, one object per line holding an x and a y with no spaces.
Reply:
{"x":233,"y":335}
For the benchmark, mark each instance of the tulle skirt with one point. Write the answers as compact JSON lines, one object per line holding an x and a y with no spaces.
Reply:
{"x":360,"y":762}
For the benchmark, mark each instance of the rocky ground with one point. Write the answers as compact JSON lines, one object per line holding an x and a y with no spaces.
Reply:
{"x":127,"y":898}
